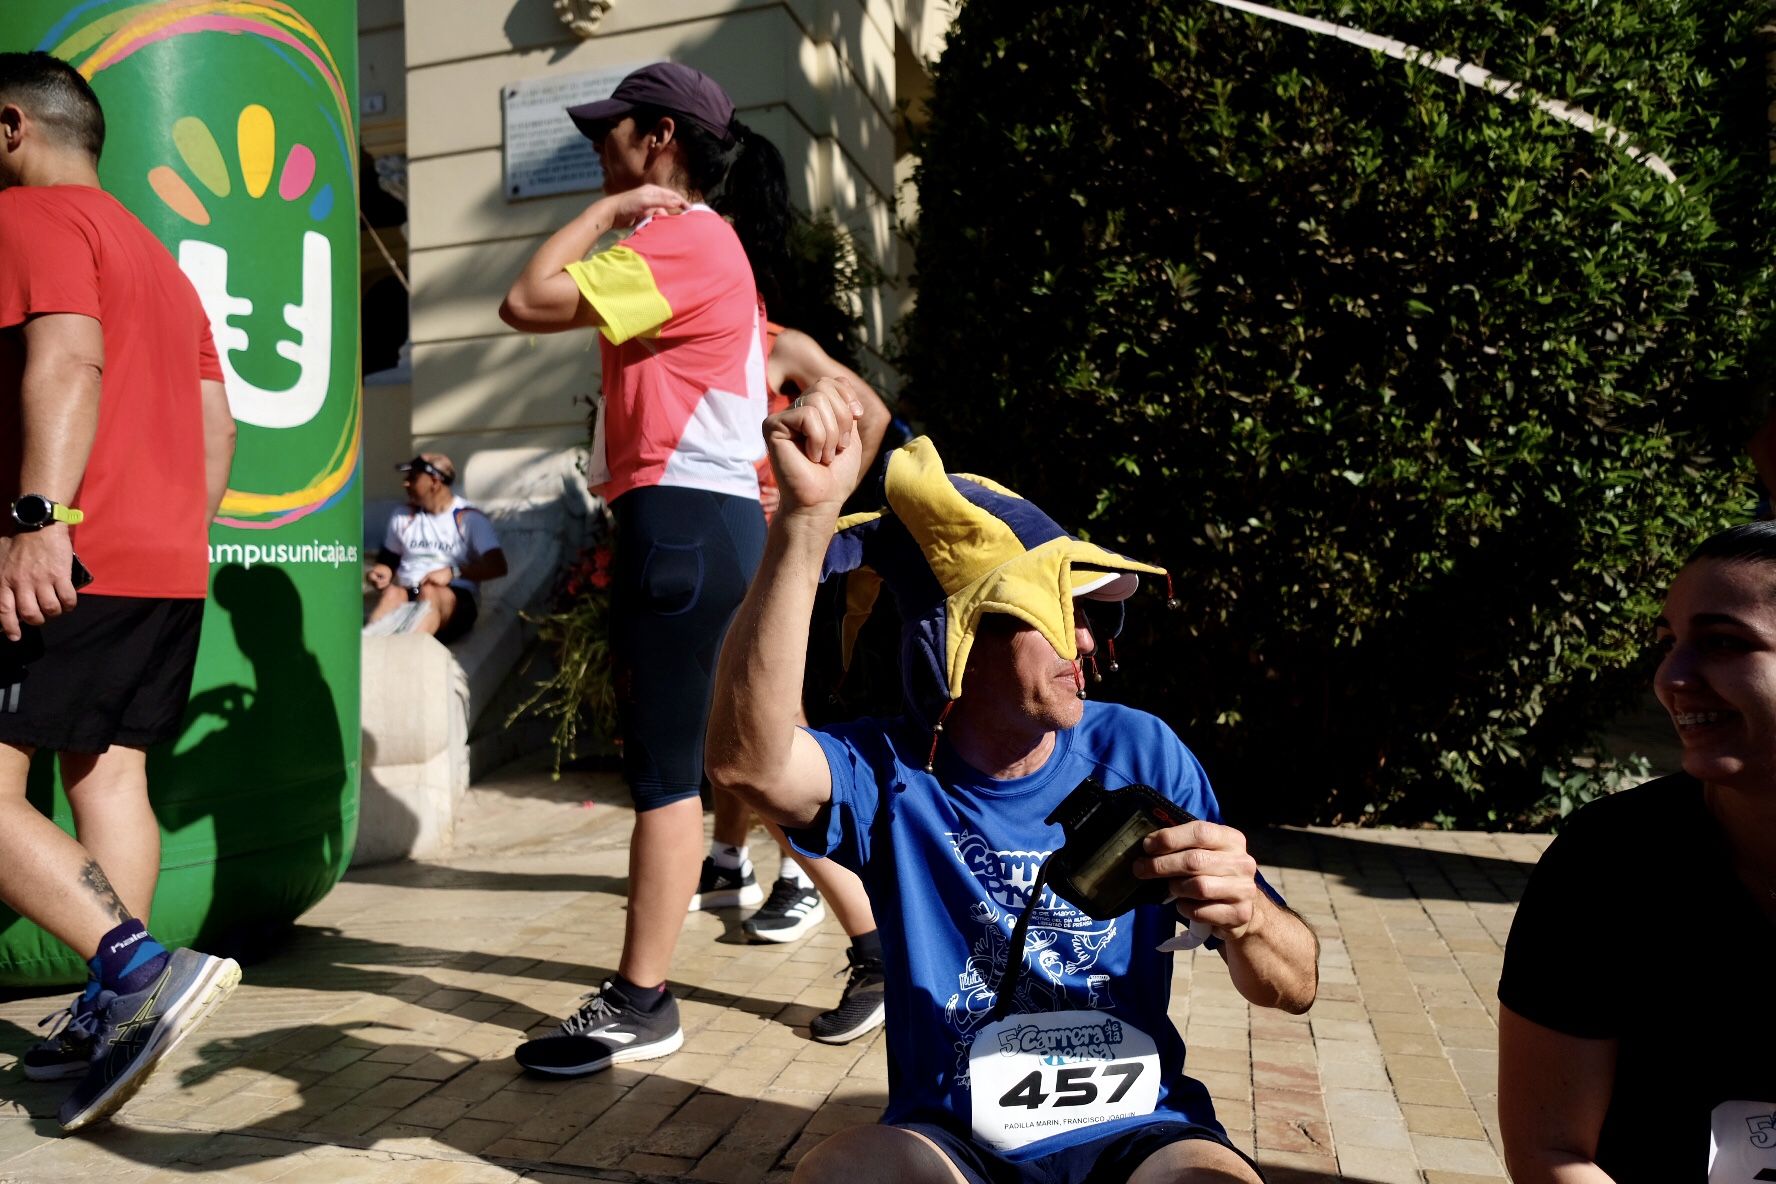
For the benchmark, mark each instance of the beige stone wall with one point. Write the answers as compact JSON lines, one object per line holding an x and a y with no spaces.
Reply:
{"x":820,"y":77}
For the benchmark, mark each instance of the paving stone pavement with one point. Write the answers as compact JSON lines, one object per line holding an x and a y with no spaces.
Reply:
{"x":376,"y":1044}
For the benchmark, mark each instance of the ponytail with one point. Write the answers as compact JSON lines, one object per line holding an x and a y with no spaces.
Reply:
{"x":743,"y":179}
{"x":755,"y":198}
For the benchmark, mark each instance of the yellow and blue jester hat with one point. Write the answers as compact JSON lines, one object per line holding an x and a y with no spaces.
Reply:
{"x":951,"y":546}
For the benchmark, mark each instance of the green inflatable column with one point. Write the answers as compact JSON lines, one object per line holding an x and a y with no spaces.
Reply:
{"x":231,"y":134}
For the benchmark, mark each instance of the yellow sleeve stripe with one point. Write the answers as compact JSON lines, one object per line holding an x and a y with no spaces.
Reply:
{"x":620,"y":287}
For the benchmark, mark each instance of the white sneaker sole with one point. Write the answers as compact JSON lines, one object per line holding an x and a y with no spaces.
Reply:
{"x":787,"y":932}
{"x":635,"y":1052}
{"x":61,"y":1072}
{"x":749,"y":897}
{"x":219,"y":980}
{"x":869,"y":1022}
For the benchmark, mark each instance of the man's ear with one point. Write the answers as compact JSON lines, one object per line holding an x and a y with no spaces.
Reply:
{"x":12,"y":123}
{"x":663,"y":132}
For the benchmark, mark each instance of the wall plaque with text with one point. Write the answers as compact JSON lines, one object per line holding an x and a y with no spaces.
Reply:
{"x":545,"y":152}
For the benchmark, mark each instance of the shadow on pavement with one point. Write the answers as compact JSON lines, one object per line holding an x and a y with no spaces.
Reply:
{"x":1392,"y":871}
{"x":352,"y":1088}
{"x":436,"y":876}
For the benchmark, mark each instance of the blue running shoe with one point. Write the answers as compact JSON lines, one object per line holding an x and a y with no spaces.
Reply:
{"x":135,"y":1031}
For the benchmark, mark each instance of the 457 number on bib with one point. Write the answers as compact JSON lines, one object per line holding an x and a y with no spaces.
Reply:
{"x":1075,"y":1085}
{"x":1033,"y":1076}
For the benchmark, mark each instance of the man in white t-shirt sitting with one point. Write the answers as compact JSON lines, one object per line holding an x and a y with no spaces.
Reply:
{"x":435,"y":553}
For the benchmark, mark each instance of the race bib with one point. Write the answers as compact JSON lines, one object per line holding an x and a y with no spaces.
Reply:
{"x":1742,"y":1143}
{"x":598,"y":472}
{"x":1034,"y":1076}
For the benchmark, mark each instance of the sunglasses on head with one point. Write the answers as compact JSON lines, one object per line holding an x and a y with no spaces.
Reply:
{"x":420,"y":464}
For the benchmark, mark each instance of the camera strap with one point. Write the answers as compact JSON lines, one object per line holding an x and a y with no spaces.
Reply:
{"x":1014,"y":960}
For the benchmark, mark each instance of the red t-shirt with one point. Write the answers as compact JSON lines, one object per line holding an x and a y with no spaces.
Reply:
{"x":684,"y":358}
{"x":72,"y":249}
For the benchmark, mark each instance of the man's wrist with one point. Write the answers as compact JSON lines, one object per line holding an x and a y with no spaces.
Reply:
{"x":32,"y":512}
{"x":807,"y":531}
{"x":1260,"y":916}
{"x":1254,"y":924}
{"x":820,"y":519}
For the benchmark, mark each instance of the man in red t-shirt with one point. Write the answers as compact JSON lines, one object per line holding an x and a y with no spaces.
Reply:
{"x":115,"y":439}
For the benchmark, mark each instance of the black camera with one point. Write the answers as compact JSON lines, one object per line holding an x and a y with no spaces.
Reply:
{"x":1095,"y":867}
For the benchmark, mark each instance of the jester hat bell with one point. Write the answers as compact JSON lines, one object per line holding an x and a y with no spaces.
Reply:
{"x":952,"y":546}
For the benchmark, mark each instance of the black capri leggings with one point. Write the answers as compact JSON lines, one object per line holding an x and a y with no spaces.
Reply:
{"x":682,"y":561}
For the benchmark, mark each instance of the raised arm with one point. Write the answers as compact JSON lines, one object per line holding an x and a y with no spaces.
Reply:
{"x":544,"y":298}
{"x":754,"y":747}
{"x":798,"y":358}
{"x":59,"y":396}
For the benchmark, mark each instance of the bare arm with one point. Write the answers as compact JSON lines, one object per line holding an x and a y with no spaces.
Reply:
{"x":798,"y":358}
{"x":1554,"y":1090}
{"x":754,"y":747}
{"x":490,"y":566}
{"x":1272,"y":956}
{"x":544,"y":298}
{"x":1276,"y":961}
{"x":219,"y":434}
{"x":59,"y":400}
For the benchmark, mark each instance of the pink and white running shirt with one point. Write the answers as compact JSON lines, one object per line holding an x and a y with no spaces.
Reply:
{"x":684,"y":359}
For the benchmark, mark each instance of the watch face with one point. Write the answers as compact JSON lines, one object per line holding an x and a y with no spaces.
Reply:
{"x":32,"y":511}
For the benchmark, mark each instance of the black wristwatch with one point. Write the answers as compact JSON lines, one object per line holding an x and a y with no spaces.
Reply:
{"x":33,"y":511}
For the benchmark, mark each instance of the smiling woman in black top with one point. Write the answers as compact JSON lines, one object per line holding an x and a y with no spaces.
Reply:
{"x":1636,"y":1040}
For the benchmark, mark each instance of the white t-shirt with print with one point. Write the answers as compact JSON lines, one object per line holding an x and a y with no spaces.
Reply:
{"x":450,"y":538}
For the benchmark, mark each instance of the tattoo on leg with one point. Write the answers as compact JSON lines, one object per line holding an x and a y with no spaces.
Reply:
{"x":93,"y":877}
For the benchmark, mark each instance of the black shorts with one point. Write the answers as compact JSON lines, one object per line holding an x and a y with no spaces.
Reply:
{"x":116,"y":670}
{"x":1105,"y":1160}
{"x":682,"y":560}
{"x":462,"y":617}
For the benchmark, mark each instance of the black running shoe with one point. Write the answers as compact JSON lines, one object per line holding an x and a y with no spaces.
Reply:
{"x":790,"y":911}
{"x":68,"y":1049}
{"x":726,"y":888}
{"x":607,"y":1030}
{"x":135,"y":1031}
{"x":860,"y":1008}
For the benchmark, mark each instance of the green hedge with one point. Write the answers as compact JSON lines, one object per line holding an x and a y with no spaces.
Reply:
{"x":1421,"y":393}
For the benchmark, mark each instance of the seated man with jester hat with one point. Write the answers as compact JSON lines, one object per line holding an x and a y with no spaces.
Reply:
{"x":1027,"y":1041}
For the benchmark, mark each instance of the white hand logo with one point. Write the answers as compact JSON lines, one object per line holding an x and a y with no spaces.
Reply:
{"x":312,"y":320}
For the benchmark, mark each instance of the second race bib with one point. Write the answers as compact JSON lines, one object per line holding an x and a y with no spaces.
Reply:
{"x":1742,"y":1143}
{"x":1039,"y":1075}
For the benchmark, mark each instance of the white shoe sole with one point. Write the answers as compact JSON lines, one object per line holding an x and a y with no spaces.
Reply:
{"x":873,"y":1020}
{"x":749,"y":897}
{"x":788,"y":932}
{"x":636,"y":1052}
{"x":219,"y":980}
{"x":62,"y":1072}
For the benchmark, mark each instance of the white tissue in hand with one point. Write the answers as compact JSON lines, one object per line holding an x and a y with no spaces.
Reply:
{"x":1192,"y":937}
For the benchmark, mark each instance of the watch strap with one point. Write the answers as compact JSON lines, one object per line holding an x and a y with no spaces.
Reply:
{"x":67,"y":514}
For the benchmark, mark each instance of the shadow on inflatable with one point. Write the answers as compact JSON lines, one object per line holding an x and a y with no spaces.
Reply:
{"x":254,"y":799}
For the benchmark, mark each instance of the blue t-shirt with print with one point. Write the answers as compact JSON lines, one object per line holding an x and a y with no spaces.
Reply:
{"x":949,"y":858}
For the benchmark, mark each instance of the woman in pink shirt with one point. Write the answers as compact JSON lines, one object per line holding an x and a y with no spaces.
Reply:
{"x":678,"y":310}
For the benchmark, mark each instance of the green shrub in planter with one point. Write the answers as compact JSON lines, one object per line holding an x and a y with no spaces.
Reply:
{"x":1420,"y":392}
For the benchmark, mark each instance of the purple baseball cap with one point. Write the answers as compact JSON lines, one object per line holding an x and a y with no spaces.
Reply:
{"x":677,"y":88}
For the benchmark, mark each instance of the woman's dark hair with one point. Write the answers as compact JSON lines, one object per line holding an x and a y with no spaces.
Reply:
{"x":1750,"y":542}
{"x":743,"y":179}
